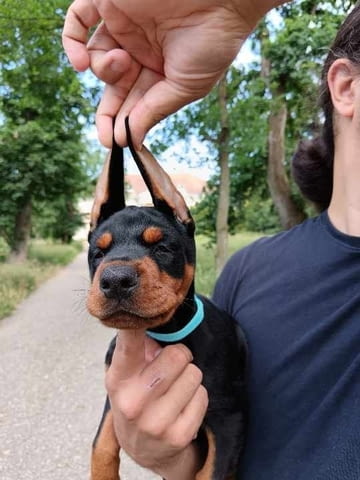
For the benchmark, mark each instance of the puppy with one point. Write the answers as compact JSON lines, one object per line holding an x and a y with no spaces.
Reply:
{"x":142,"y":266}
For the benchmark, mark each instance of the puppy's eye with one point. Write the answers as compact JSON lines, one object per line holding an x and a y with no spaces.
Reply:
{"x":99,"y":255}
{"x":162,"y":249}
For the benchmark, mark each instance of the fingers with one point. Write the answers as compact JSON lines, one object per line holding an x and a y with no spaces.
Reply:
{"x":146,"y":101}
{"x":187,"y":425}
{"x":159,"y":101}
{"x":108,"y":61}
{"x":129,"y":356}
{"x":182,"y":395}
{"x":80,"y":16}
{"x":112,"y":101}
{"x":146,"y":382}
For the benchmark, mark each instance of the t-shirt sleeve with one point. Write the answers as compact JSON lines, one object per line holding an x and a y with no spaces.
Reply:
{"x":229,"y":282}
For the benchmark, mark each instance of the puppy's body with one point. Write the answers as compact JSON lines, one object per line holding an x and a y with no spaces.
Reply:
{"x":142,"y":264}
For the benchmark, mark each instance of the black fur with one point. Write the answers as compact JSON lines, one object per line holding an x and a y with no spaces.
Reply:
{"x":217,"y":345}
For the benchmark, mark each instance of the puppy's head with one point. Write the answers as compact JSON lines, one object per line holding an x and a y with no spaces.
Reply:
{"x":141,"y":259}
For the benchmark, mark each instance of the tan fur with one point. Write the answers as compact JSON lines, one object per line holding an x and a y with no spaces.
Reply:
{"x":152,"y":235}
{"x":206,"y":473}
{"x":153,"y":303}
{"x":105,"y":461}
{"x":104,"y":241}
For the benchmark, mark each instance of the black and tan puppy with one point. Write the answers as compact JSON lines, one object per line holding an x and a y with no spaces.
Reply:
{"x":142,"y":264}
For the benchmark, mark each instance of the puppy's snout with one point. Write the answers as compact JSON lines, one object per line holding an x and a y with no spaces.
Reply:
{"x":118,"y":281}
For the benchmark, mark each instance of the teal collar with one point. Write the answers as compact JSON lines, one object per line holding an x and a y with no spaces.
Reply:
{"x":185,"y":331}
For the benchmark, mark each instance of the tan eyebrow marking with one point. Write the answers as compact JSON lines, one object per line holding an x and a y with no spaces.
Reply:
{"x":152,"y":235}
{"x":104,"y":241}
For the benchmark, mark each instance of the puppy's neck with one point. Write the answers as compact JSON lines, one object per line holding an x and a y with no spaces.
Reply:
{"x":182,"y":316}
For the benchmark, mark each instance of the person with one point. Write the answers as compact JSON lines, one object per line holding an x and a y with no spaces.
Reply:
{"x":171,"y":54}
{"x":296,"y":296}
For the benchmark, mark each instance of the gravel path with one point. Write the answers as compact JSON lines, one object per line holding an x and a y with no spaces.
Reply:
{"x":51,"y":383}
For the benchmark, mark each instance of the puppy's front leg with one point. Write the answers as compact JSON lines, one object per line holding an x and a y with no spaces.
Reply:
{"x":105,"y":460}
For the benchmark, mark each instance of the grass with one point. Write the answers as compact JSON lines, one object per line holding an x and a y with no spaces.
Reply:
{"x":18,"y":280}
{"x":205,"y":265}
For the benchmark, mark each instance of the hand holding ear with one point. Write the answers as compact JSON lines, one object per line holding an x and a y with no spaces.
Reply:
{"x":155,"y":56}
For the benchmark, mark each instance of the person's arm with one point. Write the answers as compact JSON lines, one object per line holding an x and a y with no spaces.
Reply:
{"x":156,"y":56}
{"x":158,"y":405}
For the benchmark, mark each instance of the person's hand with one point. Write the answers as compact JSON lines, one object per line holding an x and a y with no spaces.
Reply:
{"x":155,"y":56}
{"x":158,"y":404}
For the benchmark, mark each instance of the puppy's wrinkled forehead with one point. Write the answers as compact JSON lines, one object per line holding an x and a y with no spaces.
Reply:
{"x":132,"y":222}
{"x":136,"y":231}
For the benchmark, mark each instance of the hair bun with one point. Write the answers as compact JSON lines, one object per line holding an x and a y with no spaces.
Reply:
{"x":312,"y":170}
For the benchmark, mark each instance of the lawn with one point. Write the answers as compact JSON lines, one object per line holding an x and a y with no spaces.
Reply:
{"x":18,"y":280}
{"x":205,"y":267}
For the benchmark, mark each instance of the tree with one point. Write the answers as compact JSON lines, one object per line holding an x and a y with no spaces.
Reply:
{"x":270,"y":105}
{"x":291,"y":59}
{"x":43,"y":110}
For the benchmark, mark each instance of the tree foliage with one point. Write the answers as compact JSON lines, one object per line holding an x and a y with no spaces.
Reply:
{"x":43,"y":110}
{"x":289,"y":49}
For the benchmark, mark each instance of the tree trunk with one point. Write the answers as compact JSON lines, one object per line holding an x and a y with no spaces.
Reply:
{"x":290,"y":214}
{"x":224,"y":188}
{"x":22,"y":234}
{"x":280,"y":190}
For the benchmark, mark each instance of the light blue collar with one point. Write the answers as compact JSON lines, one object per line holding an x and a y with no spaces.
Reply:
{"x":185,"y":331}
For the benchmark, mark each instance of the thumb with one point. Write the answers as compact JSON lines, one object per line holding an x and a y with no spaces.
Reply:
{"x":145,"y":110}
{"x":134,"y":349}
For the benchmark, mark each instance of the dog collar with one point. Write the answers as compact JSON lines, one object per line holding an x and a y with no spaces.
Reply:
{"x":185,"y":331}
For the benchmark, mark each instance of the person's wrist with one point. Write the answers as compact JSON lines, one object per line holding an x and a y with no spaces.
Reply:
{"x":252,"y":11}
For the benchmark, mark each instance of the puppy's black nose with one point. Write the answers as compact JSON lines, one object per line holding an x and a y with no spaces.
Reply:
{"x":118,"y":281}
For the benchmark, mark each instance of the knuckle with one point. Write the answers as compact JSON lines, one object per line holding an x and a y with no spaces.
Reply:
{"x":204,"y":396}
{"x":128,"y":407}
{"x":177,"y":354}
{"x":179,"y":440}
{"x":194,"y":375}
{"x":153,"y":428}
{"x":110,"y":382}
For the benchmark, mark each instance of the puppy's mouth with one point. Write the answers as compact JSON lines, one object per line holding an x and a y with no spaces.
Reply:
{"x":136,"y":295}
{"x":127,"y":319}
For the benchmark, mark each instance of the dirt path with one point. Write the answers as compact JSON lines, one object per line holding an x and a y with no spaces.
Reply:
{"x":51,"y":383}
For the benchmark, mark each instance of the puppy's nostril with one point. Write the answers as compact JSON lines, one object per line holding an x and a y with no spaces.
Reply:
{"x":127,"y":282}
{"x":104,"y":284}
{"x":118,"y":281}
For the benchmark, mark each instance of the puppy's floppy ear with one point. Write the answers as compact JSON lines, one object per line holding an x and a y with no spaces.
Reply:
{"x":164,"y":194}
{"x":110,"y":191}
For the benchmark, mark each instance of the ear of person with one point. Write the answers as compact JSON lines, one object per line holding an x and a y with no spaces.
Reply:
{"x":343,"y":81}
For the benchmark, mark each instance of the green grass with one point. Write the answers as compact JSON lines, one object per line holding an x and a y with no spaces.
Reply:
{"x":53,"y":253}
{"x":205,"y":265}
{"x":18,"y":280}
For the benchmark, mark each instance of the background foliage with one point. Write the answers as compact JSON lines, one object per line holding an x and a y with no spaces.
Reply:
{"x":43,"y":110}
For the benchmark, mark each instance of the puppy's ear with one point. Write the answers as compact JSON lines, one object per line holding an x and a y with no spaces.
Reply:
{"x":164,"y":194}
{"x":110,"y":191}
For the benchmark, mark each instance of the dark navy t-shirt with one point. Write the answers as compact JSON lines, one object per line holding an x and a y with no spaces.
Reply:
{"x":297,"y":297}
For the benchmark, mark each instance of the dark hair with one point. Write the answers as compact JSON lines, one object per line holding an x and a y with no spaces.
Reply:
{"x":312,"y":164}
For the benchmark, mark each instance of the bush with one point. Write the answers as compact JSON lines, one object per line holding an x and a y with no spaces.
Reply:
{"x":16,"y":282}
{"x":260,"y":215}
{"x":4,"y":249}
{"x":55,"y":254}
